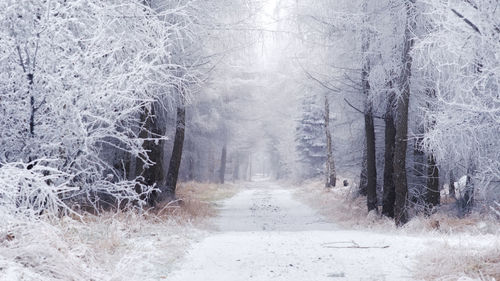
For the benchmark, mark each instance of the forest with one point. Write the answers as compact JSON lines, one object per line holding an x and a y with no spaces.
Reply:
{"x":131,"y":117}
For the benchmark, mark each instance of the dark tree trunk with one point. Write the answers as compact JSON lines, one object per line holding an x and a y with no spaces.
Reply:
{"x":400,"y":177}
{"x":468,"y":197}
{"x":153,"y":174}
{"x":371,"y":163}
{"x":222,"y":171}
{"x":363,"y":177}
{"x":389,"y":195}
{"x":433,"y":196}
{"x":168,"y":193}
{"x":451,"y":187}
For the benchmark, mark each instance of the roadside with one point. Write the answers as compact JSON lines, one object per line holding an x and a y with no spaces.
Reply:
{"x":111,"y":246}
{"x":456,"y":247}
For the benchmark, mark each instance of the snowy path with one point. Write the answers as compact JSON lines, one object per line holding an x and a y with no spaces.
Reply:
{"x":265,"y":234}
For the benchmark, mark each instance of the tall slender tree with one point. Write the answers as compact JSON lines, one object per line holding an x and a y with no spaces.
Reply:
{"x":400,"y":177}
{"x":371,"y":171}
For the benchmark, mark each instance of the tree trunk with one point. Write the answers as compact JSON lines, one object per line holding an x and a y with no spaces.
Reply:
{"x":222,"y":171}
{"x":468,"y":197}
{"x":389,"y":195}
{"x":371,"y":188}
{"x":400,"y":177}
{"x":175,"y":160}
{"x":451,"y":187}
{"x":363,"y":177}
{"x":371,"y":171}
{"x":330,"y":163}
{"x":433,"y":196}
{"x":155,"y":173}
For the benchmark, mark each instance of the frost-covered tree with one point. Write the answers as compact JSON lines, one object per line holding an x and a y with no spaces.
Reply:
{"x":310,"y":135}
{"x":459,"y":57}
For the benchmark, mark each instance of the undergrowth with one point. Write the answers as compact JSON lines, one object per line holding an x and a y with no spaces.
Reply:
{"x":458,"y":247}
{"x":120,"y":245}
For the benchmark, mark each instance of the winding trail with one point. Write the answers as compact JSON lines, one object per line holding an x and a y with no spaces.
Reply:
{"x":265,"y":234}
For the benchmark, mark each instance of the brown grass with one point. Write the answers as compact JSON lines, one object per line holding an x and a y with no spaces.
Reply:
{"x":341,"y":206}
{"x":441,"y":261}
{"x":196,"y":202}
{"x":445,"y":262}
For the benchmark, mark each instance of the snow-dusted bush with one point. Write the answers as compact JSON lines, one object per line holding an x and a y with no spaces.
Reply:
{"x":31,"y":191}
{"x":74,"y":78}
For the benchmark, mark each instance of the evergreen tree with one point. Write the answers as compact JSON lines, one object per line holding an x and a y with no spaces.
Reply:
{"x":310,"y":136}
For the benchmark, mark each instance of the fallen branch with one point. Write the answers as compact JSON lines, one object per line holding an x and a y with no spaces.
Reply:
{"x":353,"y":245}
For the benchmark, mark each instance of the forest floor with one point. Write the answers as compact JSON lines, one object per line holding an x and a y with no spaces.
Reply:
{"x":269,"y":232}
{"x":251,"y":231}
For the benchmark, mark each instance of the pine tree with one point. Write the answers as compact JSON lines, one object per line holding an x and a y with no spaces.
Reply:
{"x":310,"y":136}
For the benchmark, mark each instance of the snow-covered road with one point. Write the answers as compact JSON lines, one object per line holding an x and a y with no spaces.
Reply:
{"x":265,"y":234}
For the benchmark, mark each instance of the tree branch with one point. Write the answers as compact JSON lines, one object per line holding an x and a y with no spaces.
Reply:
{"x":361,"y":111}
{"x":467,"y":21}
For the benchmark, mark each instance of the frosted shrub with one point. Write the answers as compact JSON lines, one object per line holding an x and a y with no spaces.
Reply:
{"x":31,"y":190}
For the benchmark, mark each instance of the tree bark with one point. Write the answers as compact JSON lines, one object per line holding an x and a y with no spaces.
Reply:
{"x":433,"y":196}
{"x":468,"y":197}
{"x":400,"y":177}
{"x":371,"y":171}
{"x":168,"y":193}
{"x":155,"y":173}
{"x":389,"y":195}
{"x":331,"y":177}
{"x":363,"y":178}
{"x":222,"y":171}
{"x":371,"y":188}
{"x":371,"y":166}
{"x":451,"y":186}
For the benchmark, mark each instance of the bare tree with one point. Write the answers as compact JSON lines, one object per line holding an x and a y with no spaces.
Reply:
{"x":400,"y":177}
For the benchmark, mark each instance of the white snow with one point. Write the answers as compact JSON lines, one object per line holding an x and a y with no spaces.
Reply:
{"x":265,"y":234}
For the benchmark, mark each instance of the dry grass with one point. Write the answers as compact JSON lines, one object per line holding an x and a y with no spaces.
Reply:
{"x":126,"y":245}
{"x":196,"y":202}
{"x":454,"y":262}
{"x":471,"y":247}
{"x":342,"y":206}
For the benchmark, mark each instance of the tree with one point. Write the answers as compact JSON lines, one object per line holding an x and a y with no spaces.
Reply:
{"x":168,"y":192}
{"x":371,"y":171}
{"x":399,"y":177}
{"x":389,"y":195}
{"x":330,"y":172}
{"x":310,"y":135}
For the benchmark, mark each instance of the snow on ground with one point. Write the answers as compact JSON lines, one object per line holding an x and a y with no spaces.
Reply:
{"x":264,"y":233}
{"x":118,"y":247}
